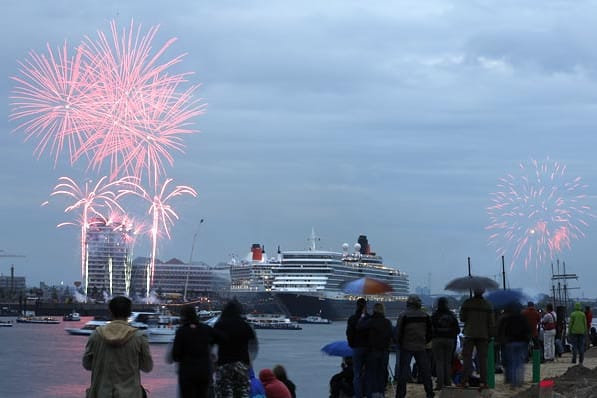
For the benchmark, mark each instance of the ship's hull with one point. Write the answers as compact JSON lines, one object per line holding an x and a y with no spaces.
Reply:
{"x":302,"y":305}
{"x":258,"y":302}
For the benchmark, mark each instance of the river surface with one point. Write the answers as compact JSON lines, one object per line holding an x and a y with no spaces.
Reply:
{"x":38,"y":361}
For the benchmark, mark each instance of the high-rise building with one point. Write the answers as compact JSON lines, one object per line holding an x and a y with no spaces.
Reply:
{"x":108,"y":258}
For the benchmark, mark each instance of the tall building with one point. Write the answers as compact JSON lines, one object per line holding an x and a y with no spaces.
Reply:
{"x":108,"y":258}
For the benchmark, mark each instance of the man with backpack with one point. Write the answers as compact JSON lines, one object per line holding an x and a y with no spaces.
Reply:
{"x":358,"y":340}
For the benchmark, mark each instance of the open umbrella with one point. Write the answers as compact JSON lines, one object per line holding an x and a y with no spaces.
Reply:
{"x":366,"y":286}
{"x":471,"y":282}
{"x":337,"y":349}
{"x":500,"y":299}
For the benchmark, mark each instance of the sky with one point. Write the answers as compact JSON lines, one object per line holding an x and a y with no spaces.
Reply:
{"x":393,"y":119}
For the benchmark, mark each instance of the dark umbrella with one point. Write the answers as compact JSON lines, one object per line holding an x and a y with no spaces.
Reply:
{"x":471,"y":282}
{"x":337,"y":349}
{"x":366,"y":286}
{"x":500,"y":299}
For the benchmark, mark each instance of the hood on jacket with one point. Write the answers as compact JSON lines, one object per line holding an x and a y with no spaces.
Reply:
{"x":266,"y":375}
{"x":578,"y":307}
{"x":116,"y":332}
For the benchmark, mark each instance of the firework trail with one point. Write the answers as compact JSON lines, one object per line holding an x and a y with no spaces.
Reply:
{"x":538,"y":213}
{"x":91,"y":199}
{"x":162,"y":214}
{"x":114,"y":102}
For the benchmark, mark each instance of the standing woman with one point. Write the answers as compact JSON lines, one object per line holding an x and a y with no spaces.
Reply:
{"x":234,"y":360}
{"x":445,"y":330}
{"x":191,"y":350}
{"x":379,"y":331}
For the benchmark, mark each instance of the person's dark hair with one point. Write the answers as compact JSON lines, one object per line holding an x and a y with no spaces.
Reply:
{"x":442,"y":304}
{"x":120,"y":307}
{"x":280,"y":372}
{"x":188,"y":314}
{"x":549,"y":307}
{"x":232,"y":309}
{"x":361,"y":303}
{"x":530,"y":304}
{"x":378,"y":308}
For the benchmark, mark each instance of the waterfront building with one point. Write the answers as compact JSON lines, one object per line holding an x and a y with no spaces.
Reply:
{"x":171,"y":277}
{"x":12,"y":283}
{"x":108,"y":249}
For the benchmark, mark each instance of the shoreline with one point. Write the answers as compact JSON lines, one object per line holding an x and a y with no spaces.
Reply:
{"x":549,"y":370}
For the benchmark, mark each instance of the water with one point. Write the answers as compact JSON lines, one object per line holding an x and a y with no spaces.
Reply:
{"x":40,"y":361}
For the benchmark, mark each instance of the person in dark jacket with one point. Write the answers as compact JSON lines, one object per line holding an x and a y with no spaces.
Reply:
{"x":413,"y":332}
{"x":514,"y":333}
{"x":274,"y":388}
{"x":341,"y":385}
{"x":192,"y":351}
{"x":379,"y":330}
{"x":445,"y":330}
{"x":478,"y":318}
{"x":281,"y":375}
{"x":358,"y":339}
{"x":237,"y":343}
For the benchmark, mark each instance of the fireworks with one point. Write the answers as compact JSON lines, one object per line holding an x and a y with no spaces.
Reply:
{"x":139,"y":112}
{"x":91,"y":199}
{"x":112,"y":102}
{"x":118,"y":104}
{"x":162,"y":214}
{"x":50,"y":99}
{"x":537,"y":213}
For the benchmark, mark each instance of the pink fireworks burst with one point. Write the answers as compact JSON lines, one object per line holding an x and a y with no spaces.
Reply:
{"x":162,"y":214}
{"x":94,"y":199}
{"x":537,"y":213}
{"x":51,"y":98}
{"x":140,"y":113}
{"x":114,"y":102}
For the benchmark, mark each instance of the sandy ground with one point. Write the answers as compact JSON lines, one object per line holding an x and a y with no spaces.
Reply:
{"x":571,"y":381}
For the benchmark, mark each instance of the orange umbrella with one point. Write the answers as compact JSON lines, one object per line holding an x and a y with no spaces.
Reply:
{"x":366,"y":286}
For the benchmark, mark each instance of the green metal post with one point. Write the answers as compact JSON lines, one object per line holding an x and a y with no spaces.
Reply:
{"x":491,"y":364}
{"x":536,"y":366}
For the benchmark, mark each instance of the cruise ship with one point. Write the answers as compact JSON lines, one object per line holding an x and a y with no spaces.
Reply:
{"x":309,"y":282}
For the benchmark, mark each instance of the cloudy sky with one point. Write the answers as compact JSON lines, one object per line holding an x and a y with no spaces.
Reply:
{"x":394,"y":119}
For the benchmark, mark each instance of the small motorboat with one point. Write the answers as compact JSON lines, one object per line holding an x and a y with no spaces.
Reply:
{"x":314,"y":319}
{"x":272,"y":321}
{"x":73,"y":316}
{"x":6,"y":324}
{"x":38,"y":319}
{"x":88,"y":328}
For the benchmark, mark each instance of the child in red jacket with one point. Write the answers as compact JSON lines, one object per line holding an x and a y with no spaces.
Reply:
{"x":274,"y":388}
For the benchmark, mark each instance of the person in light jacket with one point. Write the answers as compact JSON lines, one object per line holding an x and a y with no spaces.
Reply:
{"x":115,"y":353}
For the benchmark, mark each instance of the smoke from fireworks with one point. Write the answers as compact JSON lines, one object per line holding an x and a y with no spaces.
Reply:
{"x":537,"y":213}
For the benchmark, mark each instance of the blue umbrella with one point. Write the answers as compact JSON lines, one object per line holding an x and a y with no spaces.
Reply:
{"x":337,"y":349}
{"x":500,"y":299}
